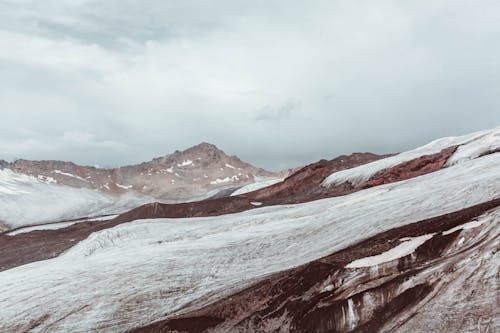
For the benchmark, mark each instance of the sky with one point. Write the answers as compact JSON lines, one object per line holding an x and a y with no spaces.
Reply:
{"x":280,"y":84}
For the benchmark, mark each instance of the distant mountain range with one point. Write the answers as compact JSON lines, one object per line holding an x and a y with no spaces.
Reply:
{"x":185,"y":175}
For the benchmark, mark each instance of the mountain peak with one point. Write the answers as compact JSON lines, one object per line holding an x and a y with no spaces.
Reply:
{"x":204,"y":146}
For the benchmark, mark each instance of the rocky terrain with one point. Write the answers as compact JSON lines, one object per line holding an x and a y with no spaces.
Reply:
{"x":404,"y":242}
{"x":194,"y":173}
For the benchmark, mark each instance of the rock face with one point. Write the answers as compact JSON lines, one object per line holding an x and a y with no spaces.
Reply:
{"x":182,"y":175}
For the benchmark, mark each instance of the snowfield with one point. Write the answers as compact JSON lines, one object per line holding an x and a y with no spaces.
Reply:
{"x":26,"y":200}
{"x":146,"y":270}
{"x":471,"y":146}
{"x":261,"y":182}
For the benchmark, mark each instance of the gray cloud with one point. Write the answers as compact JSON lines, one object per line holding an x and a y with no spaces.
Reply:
{"x":271,"y":113}
{"x":118,"y":82}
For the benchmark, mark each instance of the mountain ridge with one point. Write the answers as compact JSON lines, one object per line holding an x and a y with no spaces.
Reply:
{"x":181,"y":175}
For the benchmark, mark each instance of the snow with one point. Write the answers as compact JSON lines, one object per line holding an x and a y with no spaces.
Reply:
{"x":472,"y":146}
{"x":229,"y":166}
{"x":261,"y":183}
{"x":351,"y":316}
{"x":70,"y":175}
{"x":256,"y":203}
{"x":328,"y":288}
{"x":58,"y":225}
{"x":224,"y":180}
{"x":125,"y":187}
{"x":408,"y":246}
{"x":466,"y":226}
{"x":488,"y":142}
{"x":46,"y":179}
{"x":185,"y":163}
{"x":26,"y":200}
{"x":51,"y":226}
{"x":162,"y":267}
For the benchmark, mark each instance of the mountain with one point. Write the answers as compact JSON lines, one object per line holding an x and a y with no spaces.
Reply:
{"x":404,"y":242}
{"x":194,"y":173}
{"x":52,"y":191}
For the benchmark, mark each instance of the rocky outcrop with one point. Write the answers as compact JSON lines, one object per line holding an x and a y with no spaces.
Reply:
{"x":414,"y":168}
{"x":304,"y":184}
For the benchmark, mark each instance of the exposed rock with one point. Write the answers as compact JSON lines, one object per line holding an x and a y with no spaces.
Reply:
{"x":414,"y":168}
{"x":183,"y":175}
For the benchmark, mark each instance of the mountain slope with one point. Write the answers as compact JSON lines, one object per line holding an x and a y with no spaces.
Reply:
{"x":213,"y":258}
{"x":26,"y":200}
{"x":191,"y":174}
{"x":396,"y":242}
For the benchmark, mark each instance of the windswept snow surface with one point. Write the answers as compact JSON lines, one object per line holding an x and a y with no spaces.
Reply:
{"x":26,"y":200}
{"x":146,"y":270}
{"x":260,"y":183}
{"x":471,"y":146}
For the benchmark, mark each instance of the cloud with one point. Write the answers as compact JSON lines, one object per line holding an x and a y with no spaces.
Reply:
{"x":279,"y":85}
{"x":276,"y":113}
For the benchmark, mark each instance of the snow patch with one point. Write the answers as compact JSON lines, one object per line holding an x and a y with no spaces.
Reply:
{"x":257,"y":185}
{"x":328,"y":288}
{"x":185,"y":163}
{"x":466,"y":226}
{"x":70,"y":175}
{"x":224,"y":180}
{"x":408,"y":246}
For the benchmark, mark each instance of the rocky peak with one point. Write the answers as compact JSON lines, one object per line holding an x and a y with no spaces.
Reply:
{"x":182,"y":175}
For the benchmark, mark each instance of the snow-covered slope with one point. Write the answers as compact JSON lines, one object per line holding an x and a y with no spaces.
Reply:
{"x":260,"y":182}
{"x":26,"y":200}
{"x":470,"y":146}
{"x":139,"y":272}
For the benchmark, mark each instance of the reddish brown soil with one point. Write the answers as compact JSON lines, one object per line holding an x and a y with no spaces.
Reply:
{"x":414,"y":168}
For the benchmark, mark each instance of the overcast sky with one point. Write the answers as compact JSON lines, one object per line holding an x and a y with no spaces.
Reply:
{"x":278,"y":83}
